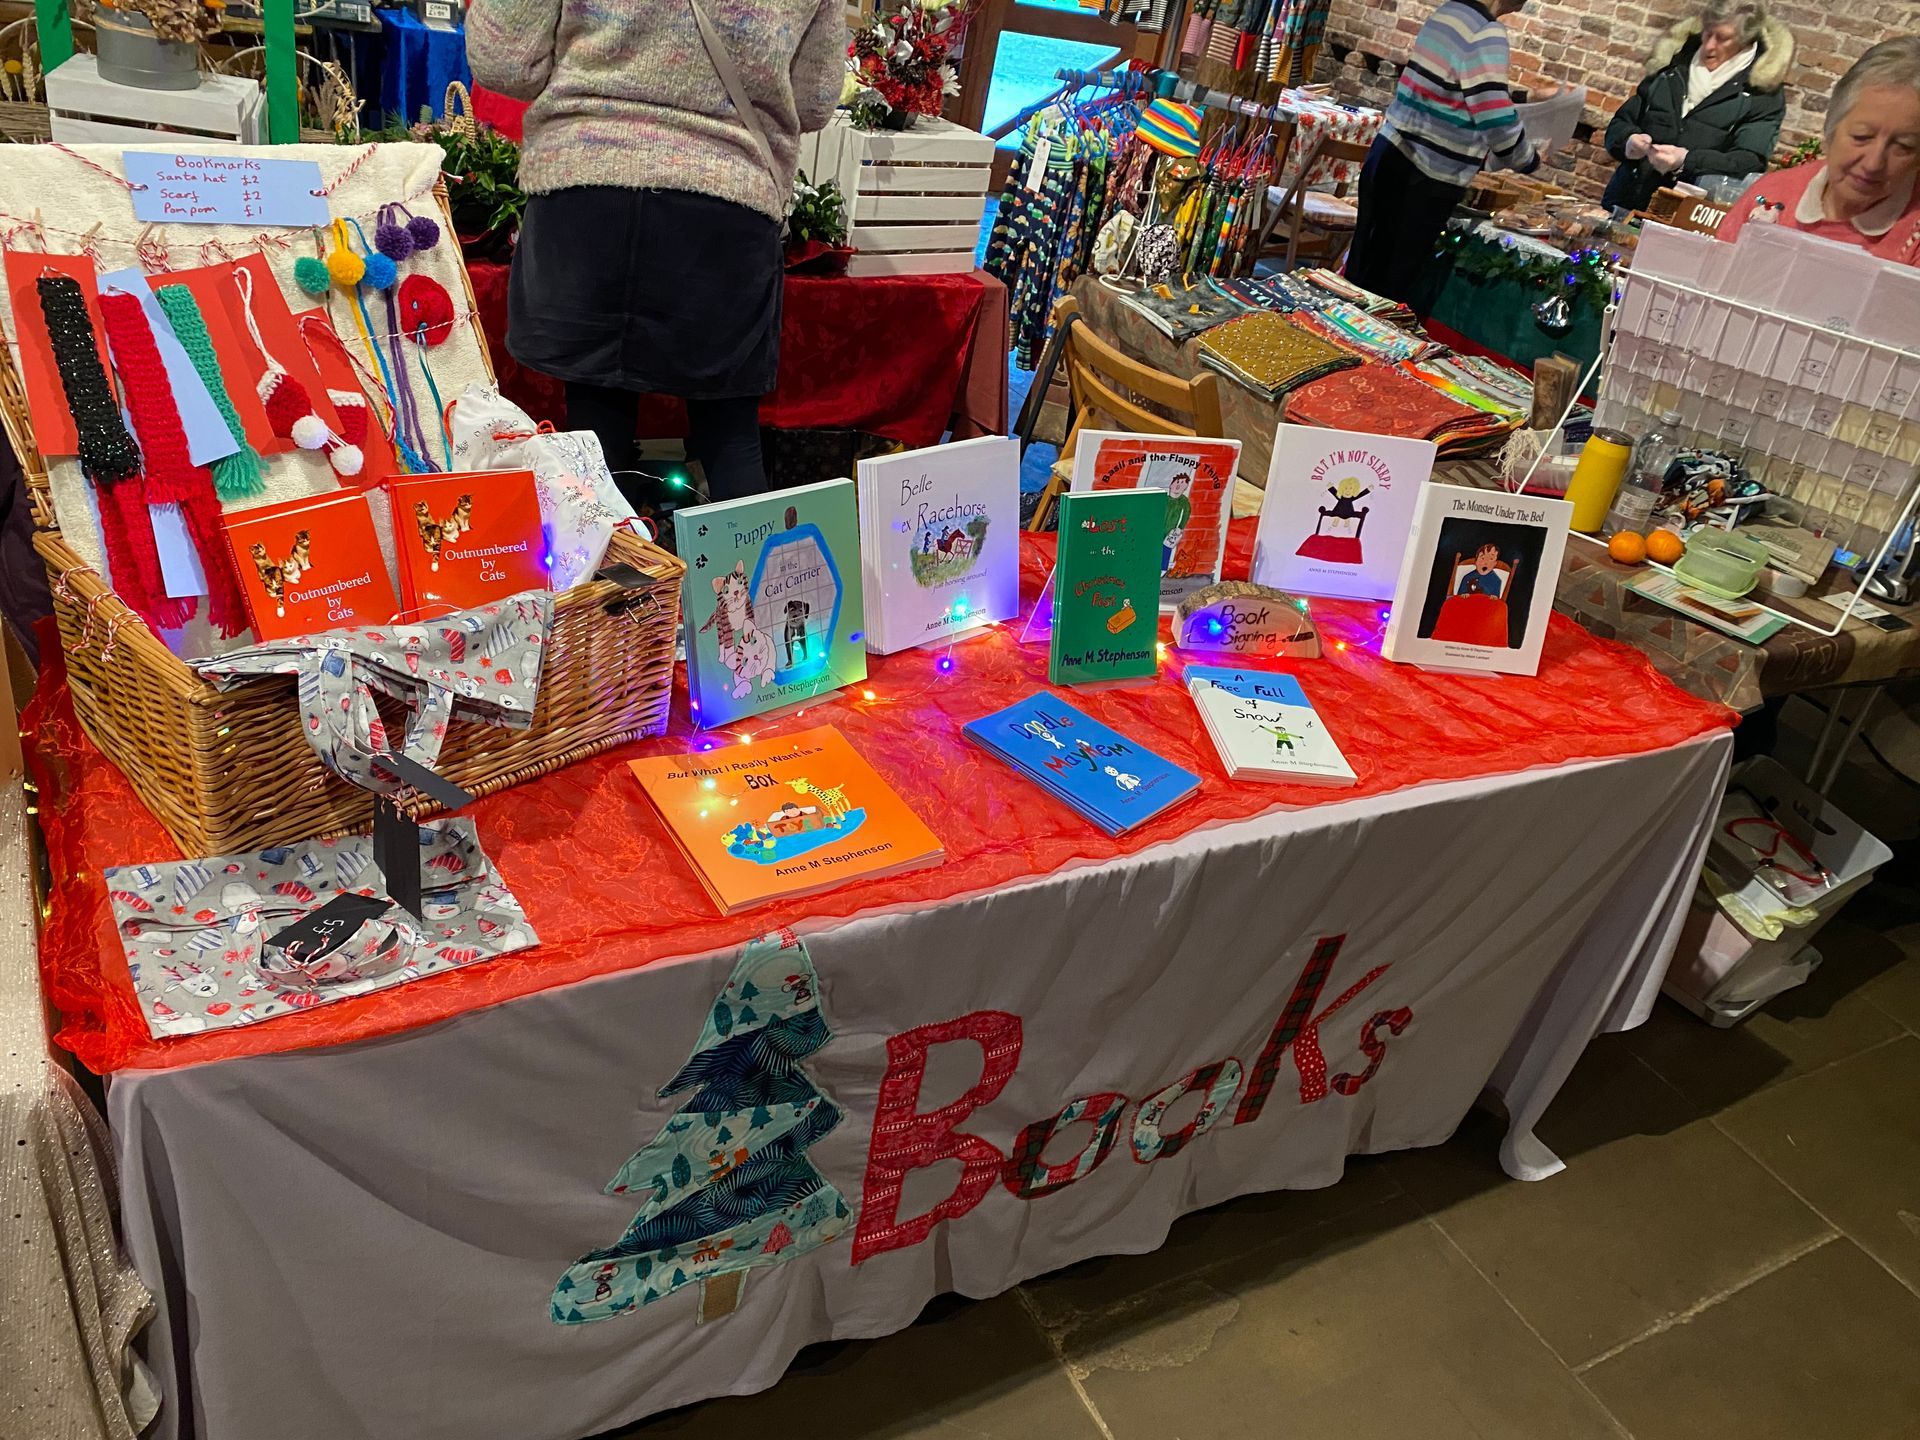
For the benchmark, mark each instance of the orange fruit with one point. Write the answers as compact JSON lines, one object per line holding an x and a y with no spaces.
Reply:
{"x":1664,"y":547}
{"x":1629,"y":547}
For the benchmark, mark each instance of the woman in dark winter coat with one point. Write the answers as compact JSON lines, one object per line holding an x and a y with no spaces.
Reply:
{"x":1711,"y":103}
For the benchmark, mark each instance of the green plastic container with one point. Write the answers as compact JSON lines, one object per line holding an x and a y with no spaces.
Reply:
{"x":1722,"y":563}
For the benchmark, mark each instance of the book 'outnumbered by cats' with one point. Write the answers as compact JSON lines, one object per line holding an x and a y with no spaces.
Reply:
{"x":772,"y":600}
{"x":939,"y":541}
{"x":1338,"y":508}
{"x":1106,"y":586}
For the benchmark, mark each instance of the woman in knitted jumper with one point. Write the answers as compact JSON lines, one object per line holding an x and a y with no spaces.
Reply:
{"x":649,"y":255}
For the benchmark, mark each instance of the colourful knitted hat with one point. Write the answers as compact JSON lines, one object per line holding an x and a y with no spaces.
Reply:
{"x":1170,"y":127}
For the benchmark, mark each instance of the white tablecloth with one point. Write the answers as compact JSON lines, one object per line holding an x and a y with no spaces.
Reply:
{"x":363,"y":1241}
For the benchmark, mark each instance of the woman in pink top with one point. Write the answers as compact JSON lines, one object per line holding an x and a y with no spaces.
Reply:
{"x":1863,"y":192}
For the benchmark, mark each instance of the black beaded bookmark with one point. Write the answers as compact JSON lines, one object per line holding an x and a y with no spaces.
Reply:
{"x":108,"y":453}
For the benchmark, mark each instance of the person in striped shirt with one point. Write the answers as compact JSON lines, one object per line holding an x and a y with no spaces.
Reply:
{"x":1451,"y":117}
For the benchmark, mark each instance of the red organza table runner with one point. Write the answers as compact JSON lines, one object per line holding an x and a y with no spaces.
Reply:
{"x":606,"y":889}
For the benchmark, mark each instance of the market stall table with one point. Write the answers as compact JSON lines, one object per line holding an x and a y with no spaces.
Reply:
{"x":1482,"y":289}
{"x":404,"y":1178}
{"x":904,"y":357}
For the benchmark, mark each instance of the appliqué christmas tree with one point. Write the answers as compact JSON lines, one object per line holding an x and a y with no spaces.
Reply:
{"x":727,"y":1186}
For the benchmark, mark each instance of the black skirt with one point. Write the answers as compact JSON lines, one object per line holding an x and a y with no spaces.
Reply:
{"x":660,"y":291}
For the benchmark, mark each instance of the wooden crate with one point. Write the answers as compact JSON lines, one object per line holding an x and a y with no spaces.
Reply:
{"x":914,"y":197}
{"x":87,"y":109}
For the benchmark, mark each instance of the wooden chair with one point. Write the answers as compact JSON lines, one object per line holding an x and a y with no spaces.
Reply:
{"x":1113,"y":391}
{"x":1329,"y":217}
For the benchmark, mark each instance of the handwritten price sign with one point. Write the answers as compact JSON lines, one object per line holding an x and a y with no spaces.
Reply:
{"x":180,"y":189}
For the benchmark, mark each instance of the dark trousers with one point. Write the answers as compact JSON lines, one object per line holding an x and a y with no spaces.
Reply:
{"x":723,"y":435}
{"x":1402,"y":212}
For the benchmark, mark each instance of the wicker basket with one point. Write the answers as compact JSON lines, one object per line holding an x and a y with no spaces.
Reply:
{"x":229,"y":771}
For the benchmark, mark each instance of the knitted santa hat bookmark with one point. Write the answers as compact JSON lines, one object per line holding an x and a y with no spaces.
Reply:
{"x":289,"y":408}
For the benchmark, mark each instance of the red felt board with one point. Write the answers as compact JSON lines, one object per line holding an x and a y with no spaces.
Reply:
{"x":274,"y":318}
{"x":607,"y":890}
{"x":329,"y":355}
{"x":53,"y":429}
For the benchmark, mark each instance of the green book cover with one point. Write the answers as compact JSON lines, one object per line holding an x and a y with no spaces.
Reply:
{"x":1106,"y":586}
{"x":772,"y":600}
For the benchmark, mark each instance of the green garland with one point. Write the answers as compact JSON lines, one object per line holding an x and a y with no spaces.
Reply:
{"x":1587,"y":272}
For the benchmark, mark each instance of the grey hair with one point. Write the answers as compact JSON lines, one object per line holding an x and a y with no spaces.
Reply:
{"x":1748,"y":18}
{"x":1891,"y":62}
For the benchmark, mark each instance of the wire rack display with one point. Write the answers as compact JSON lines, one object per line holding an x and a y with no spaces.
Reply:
{"x":1824,"y":416}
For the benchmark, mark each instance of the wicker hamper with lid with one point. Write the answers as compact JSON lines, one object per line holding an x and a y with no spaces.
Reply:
{"x":229,"y":771}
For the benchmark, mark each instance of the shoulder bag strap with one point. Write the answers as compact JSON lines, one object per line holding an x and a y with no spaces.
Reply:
{"x":736,"y":92}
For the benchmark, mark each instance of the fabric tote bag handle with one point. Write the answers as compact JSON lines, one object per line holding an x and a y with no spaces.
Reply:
{"x":736,"y":92}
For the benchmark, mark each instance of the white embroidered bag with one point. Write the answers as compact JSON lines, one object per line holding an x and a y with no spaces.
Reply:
{"x":579,"y":503}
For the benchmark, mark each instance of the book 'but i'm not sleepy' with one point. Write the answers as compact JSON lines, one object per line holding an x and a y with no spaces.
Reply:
{"x":1109,"y":779}
{"x":939,"y":541}
{"x":1338,"y":507}
{"x":783,"y":817}
{"x":772,"y":600}
{"x":1265,"y":727}
{"x":1106,"y":586}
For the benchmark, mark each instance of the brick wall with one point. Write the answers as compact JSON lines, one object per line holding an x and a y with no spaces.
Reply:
{"x":1603,"y":44}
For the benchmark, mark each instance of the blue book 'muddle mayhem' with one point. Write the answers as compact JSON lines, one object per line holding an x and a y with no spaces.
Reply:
{"x":1109,"y":779}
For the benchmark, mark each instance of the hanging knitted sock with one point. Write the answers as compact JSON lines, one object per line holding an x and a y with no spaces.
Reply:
{"x":238,"y":476}
{"x":171,"y":476}
{"x":108,"y":456}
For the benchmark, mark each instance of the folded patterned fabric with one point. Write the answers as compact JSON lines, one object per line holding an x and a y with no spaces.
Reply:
{"x":1367,"y":336}
{"x":1182,"y":314}
{"x":1341,"y":288}
{"x":1457,"y":384}
{"x":479,"y":664}
{"x":1270,"y":354}
{"x":1280,"y":293}
{"x":195,"y":932}
{"x":1383,"y":400}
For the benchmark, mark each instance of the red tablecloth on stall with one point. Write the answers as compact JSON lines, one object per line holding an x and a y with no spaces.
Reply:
{"x":897,"y":356}
{"x":606,"y":889}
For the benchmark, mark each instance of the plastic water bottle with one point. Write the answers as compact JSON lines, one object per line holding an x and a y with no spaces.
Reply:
{"x":1652,"y":455}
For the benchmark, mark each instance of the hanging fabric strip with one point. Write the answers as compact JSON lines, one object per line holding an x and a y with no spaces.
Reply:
{"x":108,"y":457}
{"x":171,"y":476}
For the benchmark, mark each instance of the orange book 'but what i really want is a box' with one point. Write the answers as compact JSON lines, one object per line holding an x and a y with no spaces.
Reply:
{"x":789,"y":816}
{"x":466,"y":539}
{"x":311,"y":565}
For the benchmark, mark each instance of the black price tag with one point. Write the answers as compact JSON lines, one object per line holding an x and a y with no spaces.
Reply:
{"x":318,"y":934}
{"x":396,"y":850}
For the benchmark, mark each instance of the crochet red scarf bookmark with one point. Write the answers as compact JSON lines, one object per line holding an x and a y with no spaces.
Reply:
{"x":171,"y":476}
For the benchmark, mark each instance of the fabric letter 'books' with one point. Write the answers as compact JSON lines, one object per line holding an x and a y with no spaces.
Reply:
{"x":310,"y":565}
{"x":1106,"y":777}
{"x":940,"y":541}
{"x":467,"y":539}
{"x":784,"y":817}
{"x":1106,"y":586}
{"x":1265,"y":727}
{"x":772,"y":600}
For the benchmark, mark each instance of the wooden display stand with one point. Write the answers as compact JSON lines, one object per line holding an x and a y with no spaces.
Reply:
{"x":85,"y":109}
{"x":914,"y":197}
